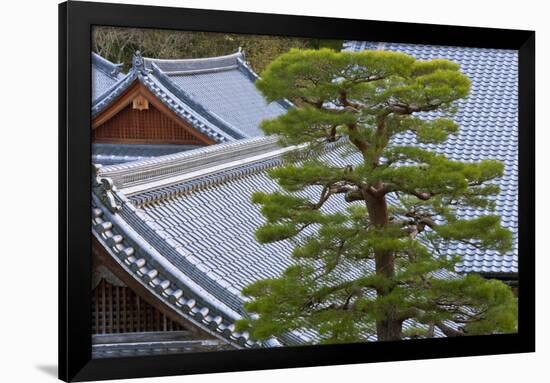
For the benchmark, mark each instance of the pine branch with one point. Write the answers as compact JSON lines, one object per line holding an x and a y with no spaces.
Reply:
{"x":449,"y":331}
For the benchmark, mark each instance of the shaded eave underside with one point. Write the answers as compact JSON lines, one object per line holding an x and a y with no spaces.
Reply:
{"x":162,"y":280}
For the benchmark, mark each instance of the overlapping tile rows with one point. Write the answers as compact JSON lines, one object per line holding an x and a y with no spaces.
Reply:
{"x":215,"y":229}
{"x":177,"y":292}
{"x":232,"y":96}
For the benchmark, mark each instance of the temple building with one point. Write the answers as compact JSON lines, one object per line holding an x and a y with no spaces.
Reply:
{"x":167,"y":106}
{"x":177,"y":153}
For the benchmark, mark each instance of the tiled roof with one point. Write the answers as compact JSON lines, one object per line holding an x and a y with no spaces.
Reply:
{"x":224,"y":86}
{"x":488,"y":121}
{"x":213,"y":224}
{"x":195,"y":65}
{"x":105,"y":74}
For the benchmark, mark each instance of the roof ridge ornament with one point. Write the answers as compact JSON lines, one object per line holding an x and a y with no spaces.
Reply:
{"x":104,"y":188}
{"x":110,"y":68}
{"x":138,"y":63}
{"x":242,"y":53}
{"x":117,"y":69}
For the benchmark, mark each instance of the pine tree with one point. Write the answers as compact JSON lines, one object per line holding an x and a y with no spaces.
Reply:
{"x":403,"y":204}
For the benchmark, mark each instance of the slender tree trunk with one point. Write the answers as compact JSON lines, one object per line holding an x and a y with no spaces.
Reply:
{"x":390,"y":328}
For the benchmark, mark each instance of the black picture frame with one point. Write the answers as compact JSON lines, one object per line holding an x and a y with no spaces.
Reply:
{"x":75,"y":23}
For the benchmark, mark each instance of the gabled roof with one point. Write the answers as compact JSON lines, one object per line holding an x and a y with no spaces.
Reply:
{"x":170,"y":271}
{"x":185,"y":109}
{"x":215,"y":95}
{"x":488,"y":122}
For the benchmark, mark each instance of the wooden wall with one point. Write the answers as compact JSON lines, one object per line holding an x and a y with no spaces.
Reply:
{"x":117,"y":309}
{"x":144,"y":126}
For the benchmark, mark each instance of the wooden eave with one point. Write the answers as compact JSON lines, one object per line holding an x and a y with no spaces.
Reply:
{"x":102,"y":257}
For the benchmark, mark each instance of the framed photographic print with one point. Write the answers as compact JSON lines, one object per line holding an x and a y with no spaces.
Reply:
{"x":249,"y":191}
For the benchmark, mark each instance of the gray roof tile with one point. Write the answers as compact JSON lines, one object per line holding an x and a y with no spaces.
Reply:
{"x":218,"y":223}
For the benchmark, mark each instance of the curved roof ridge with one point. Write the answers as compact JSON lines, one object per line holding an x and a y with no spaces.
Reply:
{"x":109,"y":68}
{"x":106,"y":76}
{"x":182,"y":108}
{"x":153,"y":173}
{"x":194,"y":65}
{"x":187,"y":155}
{"x":113,"y":92}
{"x":217,"y":171}
{"x":247,"y":70}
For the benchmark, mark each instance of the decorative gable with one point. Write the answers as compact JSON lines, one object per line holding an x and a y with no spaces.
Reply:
{"x":138,"y":117}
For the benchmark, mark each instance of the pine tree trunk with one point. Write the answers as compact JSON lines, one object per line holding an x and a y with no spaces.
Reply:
{"x":390,"y":328}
